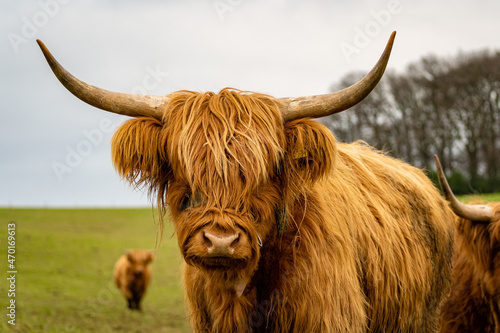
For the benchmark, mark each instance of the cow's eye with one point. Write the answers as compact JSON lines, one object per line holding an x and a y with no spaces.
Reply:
{"x":197,"y":200}
{"x":186,"y":203}
{"x":191,"y":201}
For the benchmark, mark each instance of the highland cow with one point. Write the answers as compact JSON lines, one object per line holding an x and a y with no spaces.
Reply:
{"x":283,"y":229}
{"x":132,"y":274}
{"x":474,"y":302}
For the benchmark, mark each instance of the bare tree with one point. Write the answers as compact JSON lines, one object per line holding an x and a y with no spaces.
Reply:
{"x":449,"y":107}
{"x":475,"y":85}
{"x":367,"y":121}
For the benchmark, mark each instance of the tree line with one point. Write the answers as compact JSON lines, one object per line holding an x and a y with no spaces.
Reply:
{"x":445,"y":106}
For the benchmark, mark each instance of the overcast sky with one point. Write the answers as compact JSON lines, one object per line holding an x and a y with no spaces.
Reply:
{"x":54,"y":149}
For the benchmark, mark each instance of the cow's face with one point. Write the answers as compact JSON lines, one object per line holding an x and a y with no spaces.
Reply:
{"x":138,"y":261}
{"x":228,"y":167}
{"x":223,"y":239}
{"x":225,"y":152}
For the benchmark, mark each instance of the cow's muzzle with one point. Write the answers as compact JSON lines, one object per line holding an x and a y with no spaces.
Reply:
{"x":220,"y":244}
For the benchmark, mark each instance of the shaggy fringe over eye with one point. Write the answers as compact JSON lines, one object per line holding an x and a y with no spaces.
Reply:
{"x":224,"y":144}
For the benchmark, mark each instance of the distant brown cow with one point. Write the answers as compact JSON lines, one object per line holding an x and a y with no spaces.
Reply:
{"x":132,"y":275}
{"x":283,"y":229}
{"x":473,"y":305}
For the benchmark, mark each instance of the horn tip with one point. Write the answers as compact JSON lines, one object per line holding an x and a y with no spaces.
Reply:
{"x":436,"y":159}
{"x":443,"y":182}
{"x":44,"y":48}
{"x":391,"y":39}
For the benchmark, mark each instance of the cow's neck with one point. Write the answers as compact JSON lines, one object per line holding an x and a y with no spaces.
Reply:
{"x":230,"y":306}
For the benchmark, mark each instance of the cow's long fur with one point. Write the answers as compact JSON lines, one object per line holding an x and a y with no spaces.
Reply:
{"x":474,"y":302}
{"x":369,"y":239}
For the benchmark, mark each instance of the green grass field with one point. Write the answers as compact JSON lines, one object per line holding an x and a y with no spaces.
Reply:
{"x":64,"y":263}
{"x":490,"y":197}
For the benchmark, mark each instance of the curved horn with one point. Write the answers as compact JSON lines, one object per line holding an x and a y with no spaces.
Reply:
{"x":481,"y":213}
{"x":324,"y":105}
{"x":132,"y":105}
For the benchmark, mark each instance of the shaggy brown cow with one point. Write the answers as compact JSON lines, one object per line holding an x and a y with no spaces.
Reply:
{"x":473,"y":305}
{"x":132,"y":275}
{"x":282,"y":229}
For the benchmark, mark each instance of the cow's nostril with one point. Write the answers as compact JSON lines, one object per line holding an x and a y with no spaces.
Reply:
{"x":206,"y":239}
{"x":236,"y":240}
{"x":220,"y":243}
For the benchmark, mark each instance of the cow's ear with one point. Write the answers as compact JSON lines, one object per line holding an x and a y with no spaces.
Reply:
{"x":129,"y":255}
{"x":310,"y":150}
{"x":136,"y":152}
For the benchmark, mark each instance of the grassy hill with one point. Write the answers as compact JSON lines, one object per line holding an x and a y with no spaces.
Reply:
{"x":489,"y":197}
{"x":64,"y":263}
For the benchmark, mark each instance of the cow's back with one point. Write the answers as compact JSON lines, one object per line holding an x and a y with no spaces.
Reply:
{"x":403,"y":233}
